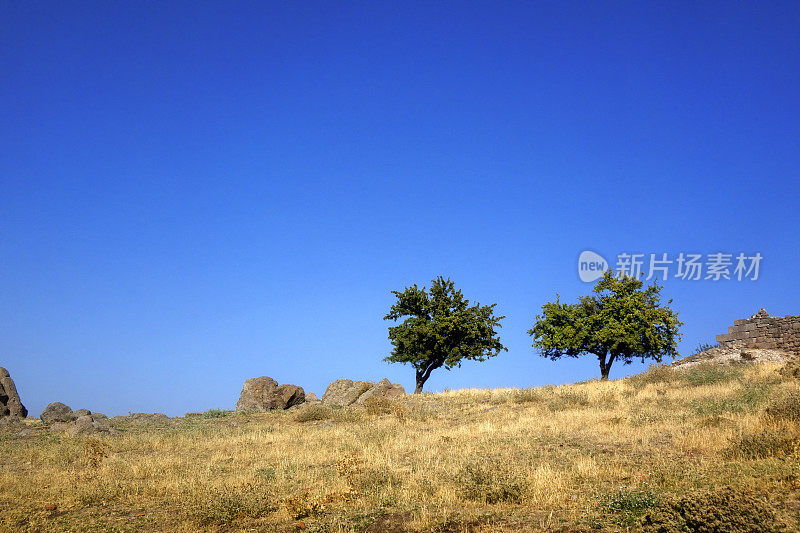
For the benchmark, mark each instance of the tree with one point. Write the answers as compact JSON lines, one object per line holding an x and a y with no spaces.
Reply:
{"x":619,"y":322}
{"x":440,"y":329}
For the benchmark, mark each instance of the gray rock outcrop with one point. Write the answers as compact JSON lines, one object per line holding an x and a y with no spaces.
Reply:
{"x":312,"y":398}
{"x":382,"y":389}
{"x":344,"y":392}
{"x":58,"y":412}
{"x":10,"y":404}
{"x":91,"y":424}
{"x":74,"y":423}
{"x":264,"y":393}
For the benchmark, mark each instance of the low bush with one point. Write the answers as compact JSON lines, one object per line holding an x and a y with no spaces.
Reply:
{"x":721,"y":511}
{"x":378,"y":406}
{"x":311,"y":413}
{"x":705,"y":346}
{"x":215,"y":413}
{"x":627,"y":505}
{"x":224,"y":508}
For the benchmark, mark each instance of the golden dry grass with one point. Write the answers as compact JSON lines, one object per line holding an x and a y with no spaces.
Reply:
{"x":471,"y":460}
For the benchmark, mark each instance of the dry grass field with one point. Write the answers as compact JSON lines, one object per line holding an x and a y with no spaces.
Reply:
{"x":659,"y":450}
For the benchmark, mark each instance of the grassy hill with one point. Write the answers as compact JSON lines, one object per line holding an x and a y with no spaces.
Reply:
{"x":665,"y":449}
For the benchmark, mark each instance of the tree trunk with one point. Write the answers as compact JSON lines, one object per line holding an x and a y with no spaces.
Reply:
{"x":424,"y":374}
{"x":605,"y":365}
{"x":421,"y":378}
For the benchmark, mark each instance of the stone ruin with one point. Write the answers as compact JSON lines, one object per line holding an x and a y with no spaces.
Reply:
{"x":762,"y":331}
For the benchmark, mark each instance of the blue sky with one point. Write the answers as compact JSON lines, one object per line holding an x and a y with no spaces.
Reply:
{"x":195,"y":193}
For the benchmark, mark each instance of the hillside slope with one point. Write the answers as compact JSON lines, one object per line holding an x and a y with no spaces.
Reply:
{"x":650,"y":451}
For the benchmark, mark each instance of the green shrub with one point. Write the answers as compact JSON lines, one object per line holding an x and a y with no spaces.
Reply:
{"x":722,"y":511}
{"x":226,"y":507}
{"x":215,"y":413}
{"x":313,"y":412}
{"x":627,"y":505}
{"x":704,"y":346}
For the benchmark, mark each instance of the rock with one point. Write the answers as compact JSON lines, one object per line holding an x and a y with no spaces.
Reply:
{"x":383,"y":389}
{"x":59,"y":427}
{"x":255,"y":393}
{"x":10,"y":422}
{"x":10,"y":404}
{"x":264,"y":393}
{"x":345,"y":392}
{"x":762,"y":313}
{"x":91,"y":424}
{"x":57,"y":412}
{"x":312,"y":398}
{"x":81,"y":412}
{"x":290,"y":395}
{"x":82,"y":426}
{"x":102,"y":424}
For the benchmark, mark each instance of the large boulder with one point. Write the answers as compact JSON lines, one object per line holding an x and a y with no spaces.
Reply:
{"x":382,"y":389}
{"x":290,"y":395}
{"x":58,"y":412}
{"x":264,"y":393}
{"x":10,"y":404}
{"x":344,"y":392}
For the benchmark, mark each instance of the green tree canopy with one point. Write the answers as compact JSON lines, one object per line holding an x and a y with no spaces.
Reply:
{"x":440,"y":329}
{"x":620,"y":321}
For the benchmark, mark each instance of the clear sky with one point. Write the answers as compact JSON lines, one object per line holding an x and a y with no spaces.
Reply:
{"x":195,"y":193}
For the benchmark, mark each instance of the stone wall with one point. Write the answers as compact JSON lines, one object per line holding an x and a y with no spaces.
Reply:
{"x":764,"y":331}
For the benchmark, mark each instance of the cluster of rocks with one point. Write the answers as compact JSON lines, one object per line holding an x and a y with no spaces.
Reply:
{"x":10,"y":404}
{"x":344,"y":392}
{"x":74,"y":423}
{"x":264,"y":394}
